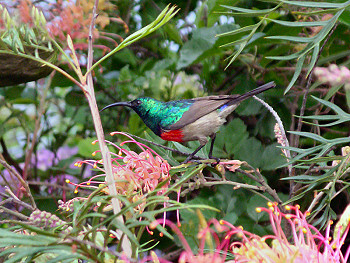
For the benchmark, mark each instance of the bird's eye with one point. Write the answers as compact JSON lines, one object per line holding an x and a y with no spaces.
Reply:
{"x":136,"y":102}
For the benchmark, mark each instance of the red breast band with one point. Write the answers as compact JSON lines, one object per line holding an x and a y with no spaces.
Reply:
{"x":174,"y":135}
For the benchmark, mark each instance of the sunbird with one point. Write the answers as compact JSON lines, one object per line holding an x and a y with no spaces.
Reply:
{"x":189,"y":119}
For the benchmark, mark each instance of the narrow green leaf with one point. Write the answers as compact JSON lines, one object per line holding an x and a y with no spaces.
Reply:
{"x":292,"y":38}
{"x":236,"y":54}
{"x":317,"y":12}
{"x":315,"y":54}
{"x":316,"y":4}
{"x":297,"y":72}
{"x":237,"y":31}
{"x":243,"y":41}
{"x":311,"y":136}
{"x":298,"y":24}
{"x":289,"y":57}
{"x":162,"y":18}
{"x":249,"y":11}
{"x":333,"y":57}
{"x":334,"y":107}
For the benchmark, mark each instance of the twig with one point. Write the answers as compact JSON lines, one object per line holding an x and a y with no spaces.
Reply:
{"x":14,"y":213}
{"x":20,"y":179}
{"x":235,"y":184}
{"x":260,"y":179}
{"x":14,"y":199}
{"x":303,"y":106}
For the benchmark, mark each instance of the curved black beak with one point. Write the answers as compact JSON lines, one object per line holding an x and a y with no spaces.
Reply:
{"x":123,"y":103}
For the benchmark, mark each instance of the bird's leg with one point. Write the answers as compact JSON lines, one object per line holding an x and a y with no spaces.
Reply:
{"x":210,"y":155}
{"x":194,"y":153}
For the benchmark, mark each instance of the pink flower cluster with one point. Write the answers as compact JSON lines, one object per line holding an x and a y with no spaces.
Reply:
{"x":334,"y":75}
{"x":135,"y":174}
{"x":305,"y":243}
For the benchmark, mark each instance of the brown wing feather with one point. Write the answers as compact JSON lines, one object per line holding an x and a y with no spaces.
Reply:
{"x":202,"y":106}
{"x":205,"y":105}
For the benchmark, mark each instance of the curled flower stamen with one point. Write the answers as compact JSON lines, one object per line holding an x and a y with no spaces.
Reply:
{"x":135,"y":174}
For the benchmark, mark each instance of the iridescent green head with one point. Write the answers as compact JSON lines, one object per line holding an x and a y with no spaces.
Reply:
{"x":150,"y":111}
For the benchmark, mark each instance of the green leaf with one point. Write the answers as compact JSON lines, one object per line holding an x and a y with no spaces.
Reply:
{"x":86,"y":148}
{"x":337,"y":119}
{"x":254,"y":202}
{"x":75,"y":97}
{"x":246,"y":12}
{"x":315,"y":54}
{"x":297,"y":72}
{"x":310,"y":135}
{"x":237,"y":31}
{"x":251,"y":152}
{"x":272,"y":158}
{"x":317,"y":4}
{"x":203,"y":40}
{"x":231,"y":138}
{"x":244,"y":44}
{"x":173,"y":33}
{"x":163,"y":18}
{"x":298,"y":24}
{"x":292,"y":38}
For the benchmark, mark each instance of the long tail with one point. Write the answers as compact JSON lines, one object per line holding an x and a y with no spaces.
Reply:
{"x":251,"y":93}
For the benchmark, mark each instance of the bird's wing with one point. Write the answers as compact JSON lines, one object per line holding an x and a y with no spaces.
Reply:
{"x":200,"y":107}
{"x":205,"y":105}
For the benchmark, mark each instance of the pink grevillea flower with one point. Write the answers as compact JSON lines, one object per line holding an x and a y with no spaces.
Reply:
{"x":334,"y":75}
{"x":135,"y":174}
{"x":306,"y":244}
{"x":207,"y":235}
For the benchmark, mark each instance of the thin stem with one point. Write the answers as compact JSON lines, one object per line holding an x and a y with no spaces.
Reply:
{"x":107,"y":162}
{"x":14,"y":213}
{"x":14,"y":199}
{"x":303,"y":106}
{"x":260,"y":179}
{"x":23,"y":182}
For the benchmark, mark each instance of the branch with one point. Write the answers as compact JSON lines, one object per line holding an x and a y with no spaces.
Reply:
{"x":23,"y":182}
{"x":260,"y":179}
{"x":14,"y":213}
{"x":14,"y":199}
{"x":303,"y":106}
{"x":106,"y":157}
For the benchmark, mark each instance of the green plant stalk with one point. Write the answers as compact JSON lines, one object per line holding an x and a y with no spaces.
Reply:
{"x":106,"y":157}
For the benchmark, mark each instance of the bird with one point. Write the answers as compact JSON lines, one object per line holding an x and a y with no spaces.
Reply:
{"x":189,"y":119}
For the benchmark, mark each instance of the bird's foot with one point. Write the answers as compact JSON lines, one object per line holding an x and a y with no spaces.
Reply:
{"x":216,"y":159}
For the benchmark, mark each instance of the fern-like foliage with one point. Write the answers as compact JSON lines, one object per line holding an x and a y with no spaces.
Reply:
{"x":310,"y":45}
